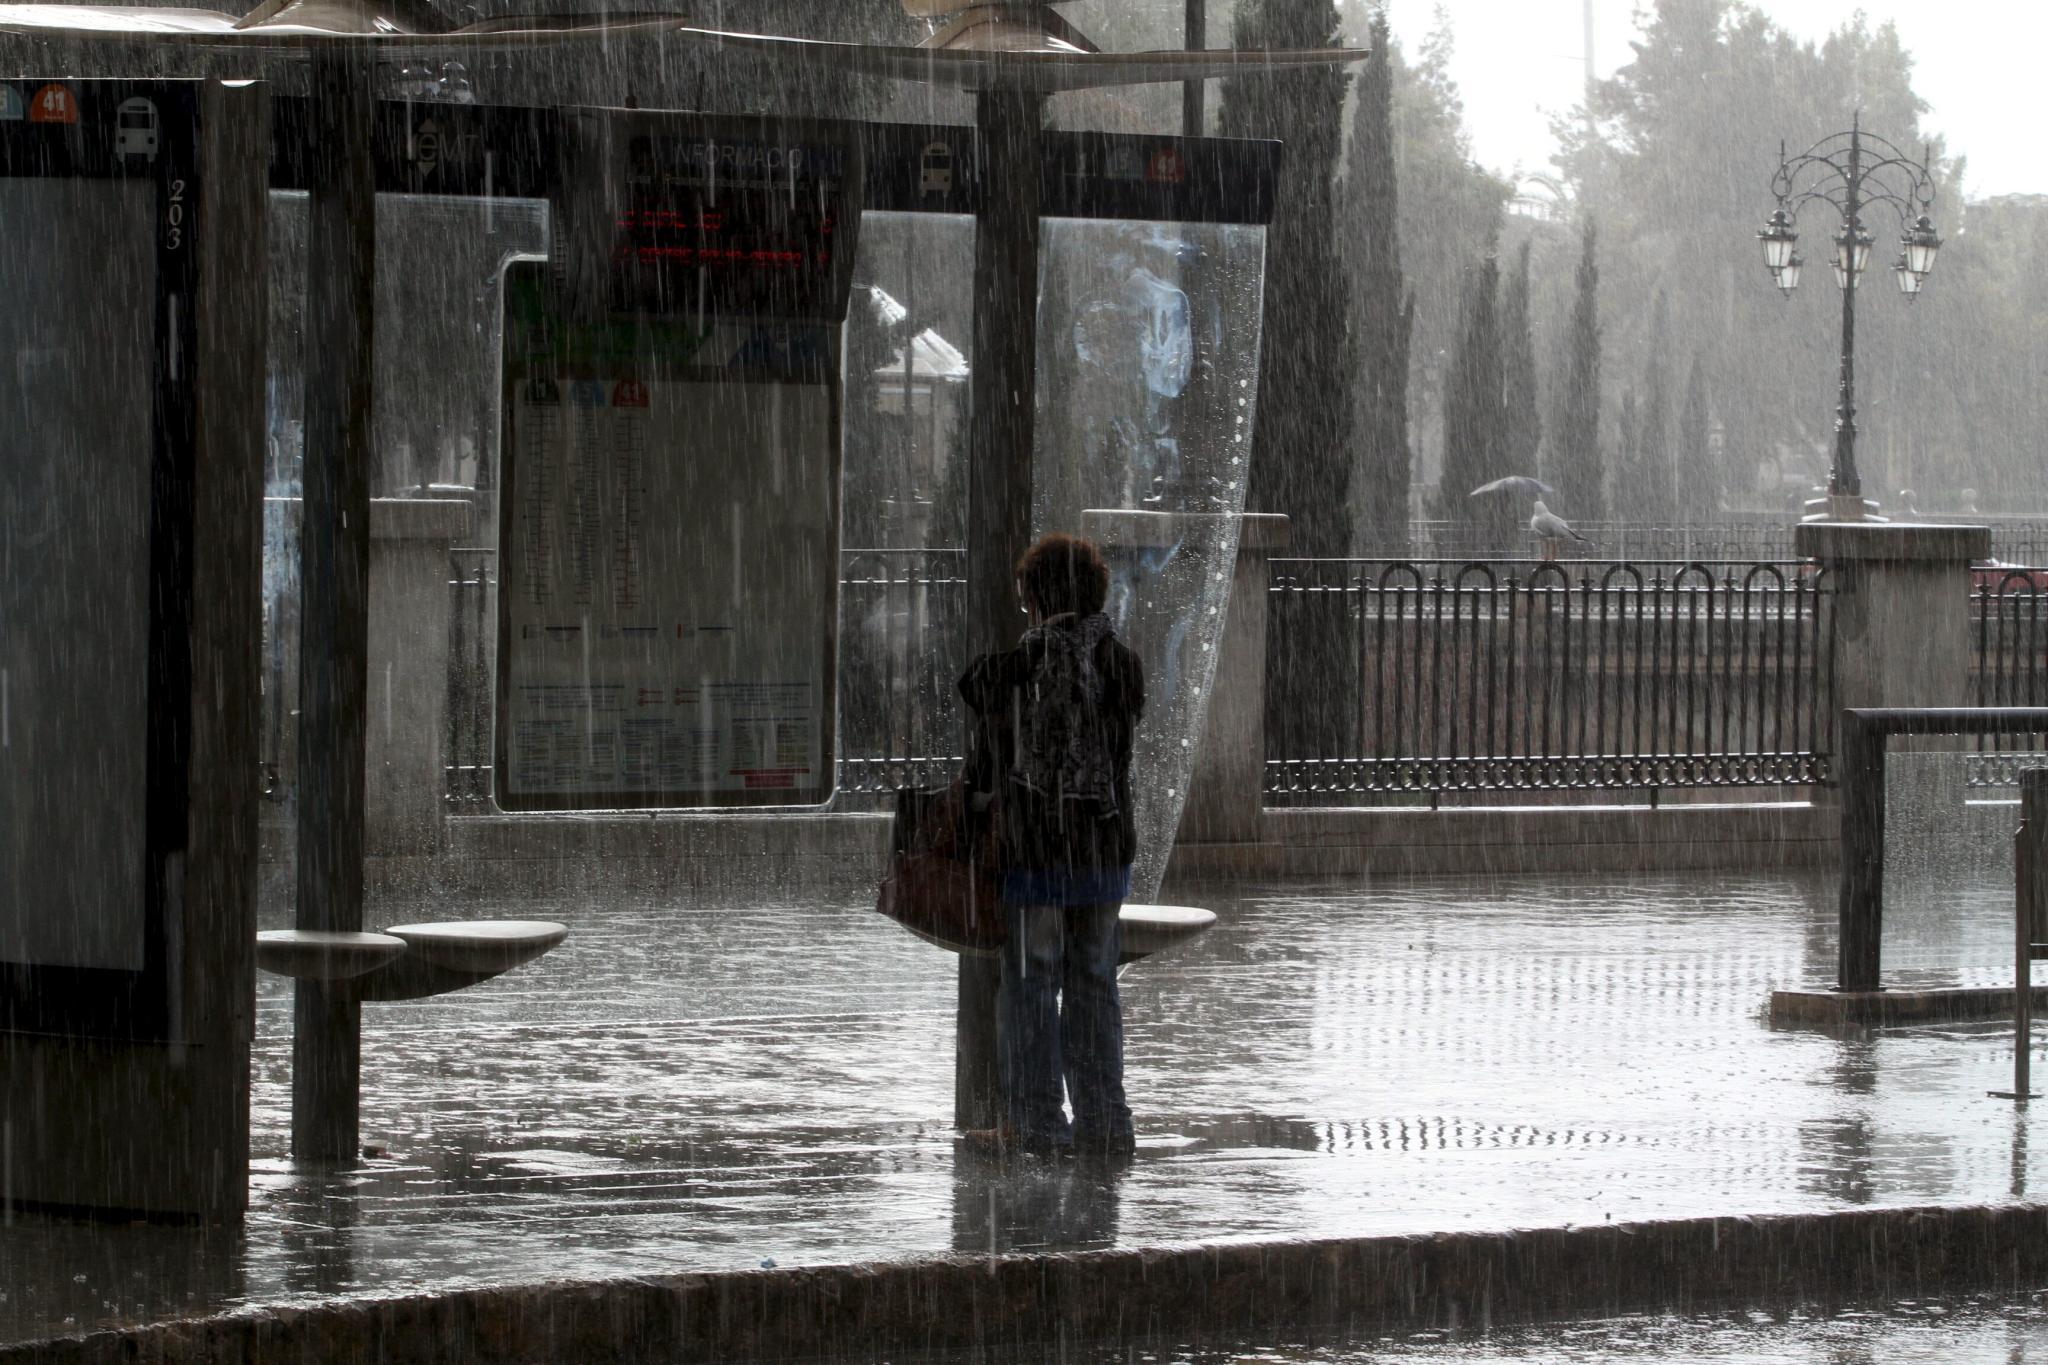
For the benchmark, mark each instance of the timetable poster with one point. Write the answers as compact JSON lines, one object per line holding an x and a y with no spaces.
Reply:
{"x":669,"y":551}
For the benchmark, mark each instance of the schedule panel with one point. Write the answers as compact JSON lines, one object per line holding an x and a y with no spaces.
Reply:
{"x":668,"y":595}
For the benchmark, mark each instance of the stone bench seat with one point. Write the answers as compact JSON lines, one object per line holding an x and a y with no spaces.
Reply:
{"x":321,"y":955}
{"x":1150,"y":929}
{"x":409,"y":961}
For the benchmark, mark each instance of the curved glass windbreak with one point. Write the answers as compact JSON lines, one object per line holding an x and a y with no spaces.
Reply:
{"x":1148,"y":352}
{"x":1148,"y":343}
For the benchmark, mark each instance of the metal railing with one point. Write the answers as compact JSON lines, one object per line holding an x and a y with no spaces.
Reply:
{"x":1860,"y":912}
{"x":1402,"y":680}
{"x":1736,"y":538}
{"x":1763,"y":539}
{"x":901,"y":637}
{"x":2008,"y":666}
{"x":472,"y":673}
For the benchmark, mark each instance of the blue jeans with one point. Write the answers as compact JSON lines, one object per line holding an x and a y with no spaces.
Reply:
{"x":1058,"y":1016}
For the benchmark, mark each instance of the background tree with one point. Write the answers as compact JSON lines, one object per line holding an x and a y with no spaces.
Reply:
{"x":1301,"y":443}
{"x":1688,"y":134}
{"x":1449,"y":215}
{"x":1523,"y":433}
{"x":1301,"y":448}
{"x":1699,"y":476}
{"x":1382,"y":314}
{"x":1627,"y":433}
{"x":1475,"y":423}
{"x":1644,"y":493}
{"x":1573,"y":461}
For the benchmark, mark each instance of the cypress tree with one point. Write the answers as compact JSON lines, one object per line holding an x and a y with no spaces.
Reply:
{"x":1627,"y":437}
{"x":1650,"y":498}
{"x":1382,"y":310}
{"x":1300,"y":445}
{"x":1700,"y":479}
{"x":1475,"y":423}
{"x":1524,"y":430}
{"x":1573,"y":462}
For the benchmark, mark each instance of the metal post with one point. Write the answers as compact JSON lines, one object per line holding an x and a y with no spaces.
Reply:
{"x":2030,"y":909}
{"x":1003,"y":398}
{"x":1844,"y":480}
{"x":1861,"y":914}
{"x":334,"y":562}
{"x":1196,"y":30}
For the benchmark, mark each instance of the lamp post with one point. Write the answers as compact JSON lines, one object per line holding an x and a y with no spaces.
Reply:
{"x":1850,"y":173}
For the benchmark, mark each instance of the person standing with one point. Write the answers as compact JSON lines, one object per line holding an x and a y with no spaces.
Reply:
{"x":1055,"y":718}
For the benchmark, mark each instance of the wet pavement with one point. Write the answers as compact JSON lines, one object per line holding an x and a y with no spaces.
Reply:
{"x":1909,"y":1332}
{"x":694,"y":1085}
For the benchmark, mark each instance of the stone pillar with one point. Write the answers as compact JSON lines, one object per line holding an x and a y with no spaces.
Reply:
{"x":1902,"y":638}
{"x":408,"y":695}
{"x":1902,"y":608}
{"x":407,"y":729}
{"x":1227,"y":794}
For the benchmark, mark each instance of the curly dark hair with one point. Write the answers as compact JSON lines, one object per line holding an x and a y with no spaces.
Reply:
{"x":1063,"y":573}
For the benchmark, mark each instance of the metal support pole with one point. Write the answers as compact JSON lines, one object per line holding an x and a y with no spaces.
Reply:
{"x":2029,"y":917}
{"x":334,"y":568}
{"x":1196,"y":31}
{"x":1844,"y":480}
{"x":1861,"y":914}
{"x":1003,"y":398}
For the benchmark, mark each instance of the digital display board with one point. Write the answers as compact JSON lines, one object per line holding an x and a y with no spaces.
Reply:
{"x":691,"y":216}
{"x":99,"y":197}
{"x":74,"y":572}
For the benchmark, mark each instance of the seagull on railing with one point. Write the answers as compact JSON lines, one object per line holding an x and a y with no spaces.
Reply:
{"x":1550,"y":528}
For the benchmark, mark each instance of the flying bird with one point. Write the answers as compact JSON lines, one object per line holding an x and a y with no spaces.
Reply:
{"x":1551,"y":528}
{"x":1521,"y":485}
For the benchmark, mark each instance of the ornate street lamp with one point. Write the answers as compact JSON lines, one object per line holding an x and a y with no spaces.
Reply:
{"x":1849,"y":172}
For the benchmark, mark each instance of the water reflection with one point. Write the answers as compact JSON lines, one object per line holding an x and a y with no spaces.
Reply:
{"x":1030,"y":1205}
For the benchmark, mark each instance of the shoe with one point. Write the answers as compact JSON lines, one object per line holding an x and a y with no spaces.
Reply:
{"x":1106,"y":1146}
{"x":1005,"y":1141}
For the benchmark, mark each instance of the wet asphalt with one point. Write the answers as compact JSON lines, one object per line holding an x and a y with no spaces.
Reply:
{"x":689,"y":1084}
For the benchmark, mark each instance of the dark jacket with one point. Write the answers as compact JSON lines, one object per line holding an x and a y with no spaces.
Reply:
{"x":1043,"y":832}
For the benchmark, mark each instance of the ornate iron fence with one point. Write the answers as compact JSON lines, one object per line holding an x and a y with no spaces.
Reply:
{"x":1417,"y":680}
{"x":1739,"y":538}
{"x":1752,"y":540}
{"x":2009,"y":665}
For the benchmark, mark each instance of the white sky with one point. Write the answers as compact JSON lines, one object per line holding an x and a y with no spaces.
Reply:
{"x":1977,"y":62}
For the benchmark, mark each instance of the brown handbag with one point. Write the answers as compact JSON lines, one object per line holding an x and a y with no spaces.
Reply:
{"x":941,"y":883}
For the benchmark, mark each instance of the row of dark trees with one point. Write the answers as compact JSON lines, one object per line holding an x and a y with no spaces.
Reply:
{"x":1645,"y":367}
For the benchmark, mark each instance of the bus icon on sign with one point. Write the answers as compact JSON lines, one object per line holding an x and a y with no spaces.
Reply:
{"x":53,"y":103}
{"x":935,"y":170}
{"x":135,"y":129}
{"x":1167,"y":167}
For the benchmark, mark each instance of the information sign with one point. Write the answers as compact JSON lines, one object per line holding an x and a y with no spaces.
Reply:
{"x":669,"y":531}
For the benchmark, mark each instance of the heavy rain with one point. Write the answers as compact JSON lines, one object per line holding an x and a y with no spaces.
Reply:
{"x":1178,"y":681}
